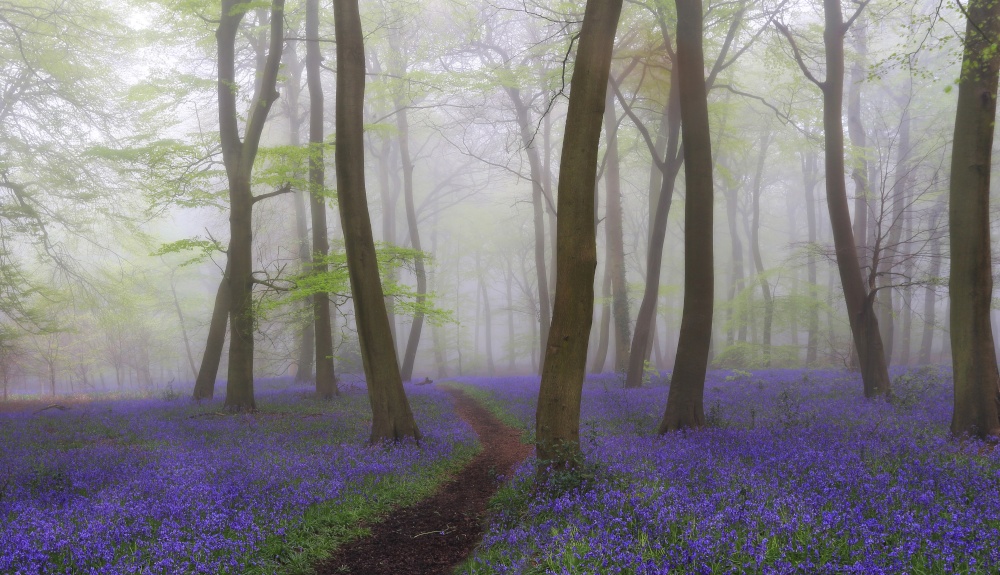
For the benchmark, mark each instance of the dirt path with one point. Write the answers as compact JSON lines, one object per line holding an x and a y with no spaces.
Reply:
{"x":437,"y":533}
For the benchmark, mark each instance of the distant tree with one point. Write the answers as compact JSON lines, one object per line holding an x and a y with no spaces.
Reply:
{"x":557,"y":419}
{"x":974,"y":363}
{"x":391,"y":415}
{"x":685,"y":400}
{"x":326,"y":380}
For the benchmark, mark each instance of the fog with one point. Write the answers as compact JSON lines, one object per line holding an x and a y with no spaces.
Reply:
{"x":115,"y":208}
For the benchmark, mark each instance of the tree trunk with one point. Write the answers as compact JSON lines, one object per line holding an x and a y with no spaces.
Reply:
{"x":537,"y":197}
{"x":440,"y":361}
{"x":686,"y":397}
{"x":860,"y":302}
{"x":557,"y":419}
{"x":888,"y":257}
{"x":856,"y":132}
{"x":487,"y":319}
{"x":615,"y":233}
{"x":758,"y":261}
{"x":970,"y":284}
{"x":306,"y":343}
{"x":184,"y":333}
{"x":604,"y":330}
{"x":391,"y":415}
{"x":511,"y":334}
{"x":326,"y":379}
{"x":810,"y":178}
{"x":402,"y":124}
{"x":204,"y":383}
{"x":645,"y":320}
{"x":238,"y":157}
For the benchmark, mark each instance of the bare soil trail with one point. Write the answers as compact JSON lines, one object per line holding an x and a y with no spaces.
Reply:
{"x":436,"y":534}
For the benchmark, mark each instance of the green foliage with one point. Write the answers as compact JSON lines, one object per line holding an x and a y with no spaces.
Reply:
{"x":204,"y":248}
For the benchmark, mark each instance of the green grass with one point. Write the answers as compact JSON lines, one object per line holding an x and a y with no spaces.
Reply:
{"x":328,"y":525}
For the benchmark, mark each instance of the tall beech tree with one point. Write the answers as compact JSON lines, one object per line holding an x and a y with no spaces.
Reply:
{"x":686,"y":397}
{"x":860,"y":300}
{"x":974,"y":363}
{"x":557,"y":418}
{"x":326,"y":379}
{"x":391,"y":415}
{"x":238,"y":155}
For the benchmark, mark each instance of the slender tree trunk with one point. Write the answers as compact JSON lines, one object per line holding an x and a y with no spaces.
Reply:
{"x":970,"y":284}
{"x":511,"y":334}
{"x":601,"y":356}
{"x":326,"y":378}
{"x":487,"y":318}
{"x":537,"y":197}
{"x":686,"y":397}
{"x":557,"y":420}
{"x":615,"y":232}
{"x":402,"y":124}
{"x":906,"y":331}
{"x":306,"y":343}
{"x":856,"y":132}
{"x":440,"y":361}
{"x":810,"y":179}
{"x":391,"y":415}
{"x":184,"y":333}
{"x":204,"y":383}
{"x":389,"y":195}
{"x":888,"y":259}
{"x":765,"y":287}
{"x":860,"y":302}
{"x":645,"y":320}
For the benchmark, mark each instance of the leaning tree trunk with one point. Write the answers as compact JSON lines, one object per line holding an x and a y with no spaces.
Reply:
{"x":686,"y":397}
{"x":326,"y":379}
{"x":391,"y":415}
{"x":557,"y":418}
{"x":970,"y":284}
{"x":860,"y":303}
{"x":204,"y":383}
{"x":403,"y":125}
{"x":615,"y":236}
{"x":856,"y":132}
{"x":645,"y":319}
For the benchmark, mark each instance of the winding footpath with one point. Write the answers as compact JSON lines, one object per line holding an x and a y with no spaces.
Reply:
{"x":439,"y":532}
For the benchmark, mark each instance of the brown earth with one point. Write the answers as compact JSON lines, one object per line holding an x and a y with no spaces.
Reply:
{"x":436,"y":534}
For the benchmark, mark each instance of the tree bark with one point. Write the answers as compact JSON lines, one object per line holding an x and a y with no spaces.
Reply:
{"x":204,"y":383}
{"x":856,"y":132}
{"x":487,"y":318}
{"x":326,"y":378}
{"x":403,"y":126}
{"x":616,"y":236}
{"x":686,"y":397}
{"x":184,"y":333}
{"x":557,"y":419}
{"x":970,"y":283}
{"x":391,"y":415}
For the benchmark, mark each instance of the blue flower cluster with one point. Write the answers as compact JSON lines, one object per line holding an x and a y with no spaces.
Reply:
{"x":171,"y":487}
{"x":796,"y":474}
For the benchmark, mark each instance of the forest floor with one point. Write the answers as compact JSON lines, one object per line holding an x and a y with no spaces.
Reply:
{"x":439,"y":532}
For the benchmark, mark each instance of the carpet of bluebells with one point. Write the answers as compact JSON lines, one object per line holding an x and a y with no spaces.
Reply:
{"x":165,"y":486}
{"x":797,"y":473}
